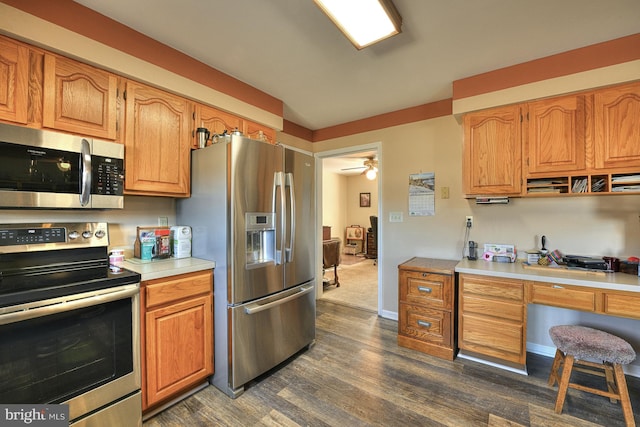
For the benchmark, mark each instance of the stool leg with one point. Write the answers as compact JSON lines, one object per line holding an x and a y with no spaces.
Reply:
{"x":564,"y":382}
{"x":611,"y":384}
{"x":625,"y":402}
{"x":557,"y":361}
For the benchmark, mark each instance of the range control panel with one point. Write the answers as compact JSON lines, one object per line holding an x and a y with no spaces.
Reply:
{"x":41,"y":236}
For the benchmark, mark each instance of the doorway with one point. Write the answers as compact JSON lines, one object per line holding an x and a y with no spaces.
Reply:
{"x":349,"y":202}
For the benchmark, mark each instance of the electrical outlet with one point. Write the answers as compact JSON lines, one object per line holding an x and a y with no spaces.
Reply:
{"x":469,"y":221}
{"x":395,"y":216}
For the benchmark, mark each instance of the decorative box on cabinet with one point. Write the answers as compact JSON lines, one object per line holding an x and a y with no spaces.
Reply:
{"x":492,"y":318}
{"x":492,"y":152}
{"x":177,"y":335}
{"x":426,"y":306}
{"x":14,"y":81}
{"x":79,"y":98}
{"x":157,"y":142}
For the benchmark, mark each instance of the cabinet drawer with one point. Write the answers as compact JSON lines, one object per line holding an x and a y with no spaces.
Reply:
{"x":622,"y":305}
{"x":430,"y":289}
{"x":161,"y":291}
{"x":492,"y":337}
{"x":493,"y":308}
{"x":562,"y":296}
{"x":425,"y":324}
{"x":492,"y":288}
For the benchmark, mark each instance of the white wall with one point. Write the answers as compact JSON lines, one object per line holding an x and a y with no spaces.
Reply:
{"x":334,"y":202}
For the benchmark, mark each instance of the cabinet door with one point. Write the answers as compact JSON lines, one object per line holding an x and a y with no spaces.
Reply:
{"x":14,"y":81}
{"x":555,"y":135}
{"x":492,"y":152}
{"x":617,"y":134}
{"x":179,"y":347}
{"x":259,"y":132}
{"x":215,"y":121}
{"x":79,"y":98}
{"x":157,"y":142}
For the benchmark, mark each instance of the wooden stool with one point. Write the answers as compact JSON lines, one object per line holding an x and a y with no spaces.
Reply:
{"x":576,"y":343}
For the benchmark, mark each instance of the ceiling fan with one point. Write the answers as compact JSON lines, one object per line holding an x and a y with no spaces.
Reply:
{"x":370,"y":166}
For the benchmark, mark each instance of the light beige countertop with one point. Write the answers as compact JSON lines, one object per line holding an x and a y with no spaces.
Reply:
{"x":158,"y":269}
{"x":611,"y":281}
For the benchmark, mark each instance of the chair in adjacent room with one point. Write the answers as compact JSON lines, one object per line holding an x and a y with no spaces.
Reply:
{"x":577,"y":346}
{"x":372,"y":239}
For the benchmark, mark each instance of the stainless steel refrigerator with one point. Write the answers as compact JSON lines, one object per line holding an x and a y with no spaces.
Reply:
{"x":252,"y":211}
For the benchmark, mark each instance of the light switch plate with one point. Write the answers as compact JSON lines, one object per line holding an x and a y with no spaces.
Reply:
{"x":395,"y":216}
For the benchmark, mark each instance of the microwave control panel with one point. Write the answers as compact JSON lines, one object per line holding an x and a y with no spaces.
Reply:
{"x":108,"y":176}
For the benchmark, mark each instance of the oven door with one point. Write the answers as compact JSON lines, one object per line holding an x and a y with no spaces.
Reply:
{"x":82,"y":350}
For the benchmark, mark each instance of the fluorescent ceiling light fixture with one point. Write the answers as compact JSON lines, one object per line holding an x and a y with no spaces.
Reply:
{"x":364,"y":22}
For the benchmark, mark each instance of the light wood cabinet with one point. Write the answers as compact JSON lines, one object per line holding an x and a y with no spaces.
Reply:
{"x":216,"y":121}
{"x":617,"y":134}
{"x":14,"y":81}
{"x":492,"y":318}
{"x":555,"y":135}
{"x":157,"y":142}
{"x":427,"y":315}
{"x":493,"y":152}
{"x":259,"y":132}
{"x":78,"y":98}
{"x":177,"y":335}
{"x":565,"y":296}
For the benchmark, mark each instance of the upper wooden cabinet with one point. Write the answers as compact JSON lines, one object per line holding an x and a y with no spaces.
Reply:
{"x":79,"y":98}
{"x":259,"y":132}
{"x":14,"y":81}
{"x":555,"y":135}
{"x":492,"y":152}
{"x":216,"y":121}
{"x":157,"y":142}
{"x":616,"y":128}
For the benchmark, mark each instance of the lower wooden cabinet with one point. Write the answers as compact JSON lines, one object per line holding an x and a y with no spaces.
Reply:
{"x":177,"y":335}
{"x":426,"y":309}
{"x":492,"y":318}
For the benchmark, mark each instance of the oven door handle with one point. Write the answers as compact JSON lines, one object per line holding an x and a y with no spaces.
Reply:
{"x":68,"y":305}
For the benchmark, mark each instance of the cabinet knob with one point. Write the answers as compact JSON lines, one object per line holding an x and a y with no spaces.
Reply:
{"x":424,"y":289}
{"x":424,"y":274}
{"x":424,"y":324}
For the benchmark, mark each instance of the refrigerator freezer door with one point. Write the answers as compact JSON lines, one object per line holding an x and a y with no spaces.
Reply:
{"x":300,"y":226}
{"x":269,"y":331}
{"x":255,"y":166}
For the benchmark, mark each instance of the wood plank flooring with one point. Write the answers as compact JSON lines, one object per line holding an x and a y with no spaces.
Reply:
{"x":356,"y":375}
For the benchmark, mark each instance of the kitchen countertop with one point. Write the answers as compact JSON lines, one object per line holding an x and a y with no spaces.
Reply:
{"x":612,"y":281}
{"x":158,"y":269}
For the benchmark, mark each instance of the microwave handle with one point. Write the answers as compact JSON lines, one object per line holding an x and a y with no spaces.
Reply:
{"x":85,"y":161}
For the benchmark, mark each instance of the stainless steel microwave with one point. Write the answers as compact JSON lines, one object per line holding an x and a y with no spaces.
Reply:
{"x":52,"y":170}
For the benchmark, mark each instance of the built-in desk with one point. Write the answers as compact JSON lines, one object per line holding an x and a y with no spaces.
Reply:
{"x":493,"y":298}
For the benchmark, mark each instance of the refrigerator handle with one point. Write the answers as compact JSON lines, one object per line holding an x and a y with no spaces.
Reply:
{"x":292,"y":215}
{"x":278,"y":187}
{"x":257,"y":308}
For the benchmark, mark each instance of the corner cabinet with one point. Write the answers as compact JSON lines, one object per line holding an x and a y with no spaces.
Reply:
{"x":177,"y":335}
{"x":259,"y":132}
{"x":492,"y":152}
{"x":78,"y":98}
{"x":492,"y":318}
{"x":216,"y":121}
{"x":14,"y":81}
{"x":426,"y":308}
{"x":157,"y":142}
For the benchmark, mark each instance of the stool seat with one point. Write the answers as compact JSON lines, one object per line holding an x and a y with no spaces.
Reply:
{"x":588,"y":343}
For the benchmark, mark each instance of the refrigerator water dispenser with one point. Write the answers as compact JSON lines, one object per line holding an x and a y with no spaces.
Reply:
{"x":261,"y":241}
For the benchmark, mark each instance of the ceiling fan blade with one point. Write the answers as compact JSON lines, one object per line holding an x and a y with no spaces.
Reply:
{"x":359,"y":167}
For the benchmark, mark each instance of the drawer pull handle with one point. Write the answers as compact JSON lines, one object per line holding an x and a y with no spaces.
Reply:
{"x":424,"y":289}
{"x":424,"y":274}
{"x":424,"y":324}
{"x":557,"y":287}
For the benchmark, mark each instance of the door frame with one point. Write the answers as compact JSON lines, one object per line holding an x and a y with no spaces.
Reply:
{"x":320,"y":156}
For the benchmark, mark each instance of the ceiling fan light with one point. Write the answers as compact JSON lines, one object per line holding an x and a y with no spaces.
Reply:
{"x":371,"y":174}
{"x":363,"y":22}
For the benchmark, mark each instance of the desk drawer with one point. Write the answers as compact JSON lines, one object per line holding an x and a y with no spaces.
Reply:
{"x":492,"y":288}
{"x":425,"y":324}
{"x":174,"y":288}
{"x":493,"y":308}
{"x":622,"y":305}
{"x":493,"y":337}
{"x":433,"y":290}
{"x":583,"y":299}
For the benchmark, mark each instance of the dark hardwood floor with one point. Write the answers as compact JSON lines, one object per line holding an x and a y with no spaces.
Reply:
{"x":356,"y":375}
